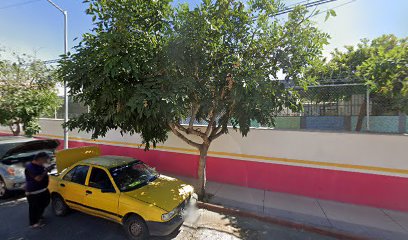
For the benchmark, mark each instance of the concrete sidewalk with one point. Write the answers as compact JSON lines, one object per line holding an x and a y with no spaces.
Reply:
{"x":373,"y":223}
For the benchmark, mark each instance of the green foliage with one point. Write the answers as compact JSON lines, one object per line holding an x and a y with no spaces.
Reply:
{"x":27,"y":90}
{"x":330,"y":13}
{"x":146,"y":66}
{"x":381,"y":64}
{"x":386,"y":71}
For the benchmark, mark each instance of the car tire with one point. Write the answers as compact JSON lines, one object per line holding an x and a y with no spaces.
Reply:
{"x":3,"y":189}
{"x":59,"y":206}
{"x":136,"y":228}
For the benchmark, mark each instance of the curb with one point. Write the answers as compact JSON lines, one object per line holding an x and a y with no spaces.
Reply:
{"x":298,"y":226}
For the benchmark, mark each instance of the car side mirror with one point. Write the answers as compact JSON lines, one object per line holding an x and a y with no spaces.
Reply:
{"x":108,"y":190}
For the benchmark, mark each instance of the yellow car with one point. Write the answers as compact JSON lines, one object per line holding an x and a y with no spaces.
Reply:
{"x":121,"y":189}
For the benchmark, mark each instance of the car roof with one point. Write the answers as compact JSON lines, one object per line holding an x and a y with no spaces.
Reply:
{"x":15,"y":139}
{"x":108,"y":161}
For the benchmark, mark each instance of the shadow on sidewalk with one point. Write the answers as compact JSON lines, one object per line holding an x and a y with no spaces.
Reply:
{"x":252,"y":229}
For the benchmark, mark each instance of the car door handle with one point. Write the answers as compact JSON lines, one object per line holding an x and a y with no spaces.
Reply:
{"x":88,"y":192}
{"x":62,"y":185}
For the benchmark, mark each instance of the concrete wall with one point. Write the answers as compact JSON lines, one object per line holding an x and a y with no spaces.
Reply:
{"x":325,"y":123}
{"x":368,"y":169}
{"x":378,"y":124}
{"x":287,"y":122}
{"x":382,"y":124}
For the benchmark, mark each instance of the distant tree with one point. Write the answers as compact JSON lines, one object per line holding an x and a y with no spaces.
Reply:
{"x":27,"y":91}
{"x":146,"y":67}
{"x":386,"y":72}
{"x":364,"y":63}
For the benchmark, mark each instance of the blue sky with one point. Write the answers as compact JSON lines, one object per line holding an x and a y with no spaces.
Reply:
{"x":37,"y":28}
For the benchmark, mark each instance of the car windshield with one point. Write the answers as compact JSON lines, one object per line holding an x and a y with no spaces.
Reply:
{"x":133,"y":175}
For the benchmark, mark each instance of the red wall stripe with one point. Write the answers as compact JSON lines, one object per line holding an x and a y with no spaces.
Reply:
{"x":351,"y":187}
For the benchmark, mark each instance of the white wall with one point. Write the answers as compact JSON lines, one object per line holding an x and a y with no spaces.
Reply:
{"x":369,"y":152}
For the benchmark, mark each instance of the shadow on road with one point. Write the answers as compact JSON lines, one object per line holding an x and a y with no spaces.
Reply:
{"x":12,"y":196}
{"x":76,"y":225}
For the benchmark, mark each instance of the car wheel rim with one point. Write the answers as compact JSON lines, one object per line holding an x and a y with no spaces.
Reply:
{"x":2,"y":188}
{"x":135,"y":229}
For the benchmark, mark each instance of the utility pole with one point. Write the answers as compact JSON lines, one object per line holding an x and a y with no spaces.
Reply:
{"x":65,"y":13}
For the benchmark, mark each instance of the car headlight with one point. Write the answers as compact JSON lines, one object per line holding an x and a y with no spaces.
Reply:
{"x":169,"y":215}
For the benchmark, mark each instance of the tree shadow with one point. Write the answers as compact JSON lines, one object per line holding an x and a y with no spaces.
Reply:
{"x":254,"y":229}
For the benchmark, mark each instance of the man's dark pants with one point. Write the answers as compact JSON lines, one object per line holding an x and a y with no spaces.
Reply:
{"x":36,"y":205}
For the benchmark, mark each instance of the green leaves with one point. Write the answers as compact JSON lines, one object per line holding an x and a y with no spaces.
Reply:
{"x":27,"y":91}
{"x":146,"y":66}
{"x":330,"y":13}
{"x":386,"y":70}
{"x":380,"y":63}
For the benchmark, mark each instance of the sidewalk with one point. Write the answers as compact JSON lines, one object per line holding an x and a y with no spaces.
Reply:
{"x":373,"y":223}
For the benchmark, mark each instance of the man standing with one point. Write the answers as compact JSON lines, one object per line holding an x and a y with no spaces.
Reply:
{"x":37,"y":192}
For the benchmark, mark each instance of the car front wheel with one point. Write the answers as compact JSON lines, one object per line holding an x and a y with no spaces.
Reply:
{"x":59,"y":206}
{"x":3,"y":189}
{"x":136,"y":228}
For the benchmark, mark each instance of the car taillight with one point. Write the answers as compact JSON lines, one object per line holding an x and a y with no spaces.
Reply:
{"x":11,"y":171}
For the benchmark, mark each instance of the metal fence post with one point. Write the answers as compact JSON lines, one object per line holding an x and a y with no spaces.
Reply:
{"x":368,"y":109}
{"x":402,"y":123}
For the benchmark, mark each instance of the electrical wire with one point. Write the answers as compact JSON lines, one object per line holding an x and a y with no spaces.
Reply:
{"x":341,"y":5}
{"x":307,"y":5}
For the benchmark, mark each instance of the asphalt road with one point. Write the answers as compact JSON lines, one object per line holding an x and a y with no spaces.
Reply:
{"x":207,"y":225}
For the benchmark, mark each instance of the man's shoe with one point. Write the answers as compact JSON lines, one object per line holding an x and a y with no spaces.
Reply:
{"x":37,"y":225}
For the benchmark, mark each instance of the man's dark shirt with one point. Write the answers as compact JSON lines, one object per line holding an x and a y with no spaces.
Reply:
{"x":32,"y":170}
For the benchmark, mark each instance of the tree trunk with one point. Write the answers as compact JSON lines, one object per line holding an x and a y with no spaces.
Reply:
{"x":361,"y":115}
{"x":16,"y":132}
{"x":202,"y":179}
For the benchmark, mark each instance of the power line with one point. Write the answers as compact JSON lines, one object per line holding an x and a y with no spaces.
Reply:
{"x":294,"y":4}
{"x":306,"y":5}
{"x":18,"y":4}
{"x":341,"y":5}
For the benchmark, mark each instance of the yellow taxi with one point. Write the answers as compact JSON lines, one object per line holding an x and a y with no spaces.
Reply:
{"x":121,"y":189}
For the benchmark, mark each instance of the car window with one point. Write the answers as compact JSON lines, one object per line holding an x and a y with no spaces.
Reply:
{"x":77,"y":174}
{"x":100,"y":179}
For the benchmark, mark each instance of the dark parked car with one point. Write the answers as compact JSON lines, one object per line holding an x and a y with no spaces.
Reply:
{"x":15,"y":153}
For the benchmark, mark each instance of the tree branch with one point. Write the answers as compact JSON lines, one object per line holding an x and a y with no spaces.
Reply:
{"x":210,"y":122}
{"x":191,"y":131}
{"x":182,"y":137}
{"x":194,"y":110}
{"x":215,"y":135}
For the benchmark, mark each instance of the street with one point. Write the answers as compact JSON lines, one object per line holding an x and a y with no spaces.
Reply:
{"x":76,"y":225}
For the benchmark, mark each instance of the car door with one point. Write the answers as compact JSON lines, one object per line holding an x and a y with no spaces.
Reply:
{"x":72,"y":187}
{"x":101,"y":196}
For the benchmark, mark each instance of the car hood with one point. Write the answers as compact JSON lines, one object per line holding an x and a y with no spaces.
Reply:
{"x":31,"y":146}
{"x":165,"y":192}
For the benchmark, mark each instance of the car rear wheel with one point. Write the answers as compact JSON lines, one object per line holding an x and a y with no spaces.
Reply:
{"x":136,"y":228}
{"x":3,"y":189}
{"x":59,"y":206}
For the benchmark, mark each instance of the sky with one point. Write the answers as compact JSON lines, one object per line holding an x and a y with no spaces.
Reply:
{"x":36,"y":28}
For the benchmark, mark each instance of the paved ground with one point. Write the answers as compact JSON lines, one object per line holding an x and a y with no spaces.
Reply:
{"x":209,"y":225}
{"x":369,"y":222}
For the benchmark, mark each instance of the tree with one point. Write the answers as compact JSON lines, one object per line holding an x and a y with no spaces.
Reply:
{"x":377,"y":63}
{"x":147,"y":66}
{"x":386,"y":72}
{"x":27,"y":91}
